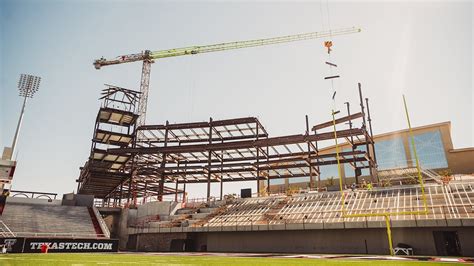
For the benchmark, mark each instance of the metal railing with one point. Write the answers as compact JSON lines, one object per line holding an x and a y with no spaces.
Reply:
{"x":5,"y":230}
{"x":102,"y":224}
{"x":59,"y":235}
{"x":33,"y":194}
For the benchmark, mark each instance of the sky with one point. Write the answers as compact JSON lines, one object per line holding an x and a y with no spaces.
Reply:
{"x":422,"y":49}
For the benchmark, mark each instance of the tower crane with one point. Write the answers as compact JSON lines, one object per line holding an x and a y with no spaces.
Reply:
{"x":148,"y":57}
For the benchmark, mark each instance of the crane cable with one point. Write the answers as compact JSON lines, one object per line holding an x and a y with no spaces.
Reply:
{"x":328,"y":45}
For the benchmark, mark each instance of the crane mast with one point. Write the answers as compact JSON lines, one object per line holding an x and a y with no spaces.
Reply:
{"x":148,"y":56}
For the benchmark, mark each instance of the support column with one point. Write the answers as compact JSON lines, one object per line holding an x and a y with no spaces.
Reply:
{"x":121,"y":194}
{"x":184,"y":184}
{"x":372,"y":137}
{"x":144,"y":193}
{"x":132,"y":171}
{"x":352,"y":144}
{"x":222,"y":189}
{"x":130,"y":187}
{"x":268,"y":172}
{"x":184,"y":192}
{"x":209,"y":163}
{"x":176,"y":192}
{"x":317,"y":162}
{"x":258,"y":165}
{"x":364,"y":127}
{"x":222,"y":175}
{"x":311,"y":184}
{"x":161,"y":186}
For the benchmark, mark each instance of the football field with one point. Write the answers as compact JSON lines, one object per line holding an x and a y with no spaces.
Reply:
{"x":173,"y":259}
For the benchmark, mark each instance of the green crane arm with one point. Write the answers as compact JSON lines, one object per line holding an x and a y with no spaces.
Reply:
{"x":151,"y":55}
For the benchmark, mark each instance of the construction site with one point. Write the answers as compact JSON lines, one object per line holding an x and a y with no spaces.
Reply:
{"x":333,"y":188}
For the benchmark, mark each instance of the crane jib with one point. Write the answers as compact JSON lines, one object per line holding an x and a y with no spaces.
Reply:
{"x":150,"y":55}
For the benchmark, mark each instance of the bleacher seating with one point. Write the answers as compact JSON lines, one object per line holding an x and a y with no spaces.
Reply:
{"x":25,"y":219}
{"x":455,"y":201}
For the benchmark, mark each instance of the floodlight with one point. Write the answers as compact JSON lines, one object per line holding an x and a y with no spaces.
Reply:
{"x":28,"y":85}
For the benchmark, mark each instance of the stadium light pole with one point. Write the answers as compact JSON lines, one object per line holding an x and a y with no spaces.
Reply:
{"x":28,"y":85}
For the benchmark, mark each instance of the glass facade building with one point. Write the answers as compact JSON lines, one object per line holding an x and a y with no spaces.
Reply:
{"x":298,"y":180}
{"x":328,"y":171}
{"x":394,"y":151}
{"x":430,"y":150}
{"x":279,"y":181}
{"x":391,"y":154}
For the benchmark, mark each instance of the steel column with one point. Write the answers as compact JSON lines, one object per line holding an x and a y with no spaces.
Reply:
{"x":162,"y":165}
{"x":364,"y":126}
{"x":352,"y":143}
{"x":209,"y":163}
{"x":371,"y":136}
{"x":309,"y":157}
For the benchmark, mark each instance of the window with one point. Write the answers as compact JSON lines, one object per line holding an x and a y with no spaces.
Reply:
{"x":304,"y":179}
{"x":390,"y":154}
{"x":328,"y":171}
{"x":430,"y":150}
{"x":279,"y":181}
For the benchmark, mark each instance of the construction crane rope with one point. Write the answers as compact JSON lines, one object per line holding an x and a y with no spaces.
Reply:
{"x":148,"y":56}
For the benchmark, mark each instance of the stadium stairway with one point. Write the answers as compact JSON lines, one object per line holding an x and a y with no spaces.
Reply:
{"x":51,"y":220}
{"x":95,"y":222}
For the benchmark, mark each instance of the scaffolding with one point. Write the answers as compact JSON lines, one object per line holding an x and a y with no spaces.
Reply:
{"x":106,"y":175}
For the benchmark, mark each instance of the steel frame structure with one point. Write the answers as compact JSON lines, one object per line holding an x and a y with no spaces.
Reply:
{"x":139,"y":162}
{"x":114,"y":126}
{"x":105,"y":175}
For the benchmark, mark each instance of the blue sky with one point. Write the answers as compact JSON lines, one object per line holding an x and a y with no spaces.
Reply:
{"x":421,"y":49}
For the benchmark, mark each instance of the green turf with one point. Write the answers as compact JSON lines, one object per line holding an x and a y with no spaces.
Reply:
{"x":144,"y":259}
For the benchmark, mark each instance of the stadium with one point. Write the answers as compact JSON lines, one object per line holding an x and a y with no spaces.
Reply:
{"x":228,"y":191}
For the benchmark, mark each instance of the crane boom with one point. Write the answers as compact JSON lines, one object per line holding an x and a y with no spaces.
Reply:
{"x":148,"y":56}
{"x":191,"y":50}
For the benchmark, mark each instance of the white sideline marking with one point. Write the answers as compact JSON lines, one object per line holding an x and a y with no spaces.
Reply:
{"x":448,"y":259}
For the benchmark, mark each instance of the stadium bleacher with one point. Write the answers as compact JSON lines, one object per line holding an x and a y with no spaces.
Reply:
{"x":444,"y":202}
{"x":50,"y":220}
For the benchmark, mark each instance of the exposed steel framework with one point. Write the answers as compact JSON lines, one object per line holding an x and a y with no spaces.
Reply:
{"x":131,"y":167}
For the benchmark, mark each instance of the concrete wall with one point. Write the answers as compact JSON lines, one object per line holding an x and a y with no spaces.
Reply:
{"x":155,"y":208}
{"x":461,"y":161}
{"x":126,"y":217}
{"x":156,"y":242}
{"x":112,"y":220}
{"x":315,"y":241}
{"x":84,"y":200}
{"x":72,"y":199}
{"x":200,"y":241}
{"x":362,"y":241}
{"x":327,"y":241}
{"x":33,"y":201}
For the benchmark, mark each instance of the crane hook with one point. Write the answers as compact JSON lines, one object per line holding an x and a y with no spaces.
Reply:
{"x":328,"y":44}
